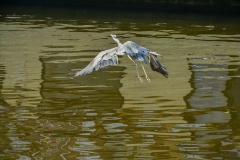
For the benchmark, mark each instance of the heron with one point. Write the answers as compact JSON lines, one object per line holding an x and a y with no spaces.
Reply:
{"x":133,"y":51}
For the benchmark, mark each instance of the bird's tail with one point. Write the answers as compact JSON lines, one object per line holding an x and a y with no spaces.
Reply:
{"x":156,"y":66}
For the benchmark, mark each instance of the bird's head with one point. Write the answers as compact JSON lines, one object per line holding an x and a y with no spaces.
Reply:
{"x":114,"y":36}
{"x":116,"y":39}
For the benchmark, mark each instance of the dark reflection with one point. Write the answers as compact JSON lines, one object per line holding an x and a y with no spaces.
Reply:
{"x":127,"y":20}
{"x":78,"y":109}
{"x":207,"y":86}
{"x":214,"y":116}
{"x":96,"y":90}
{"x":3,"y":111}
{"x":233,"y":94}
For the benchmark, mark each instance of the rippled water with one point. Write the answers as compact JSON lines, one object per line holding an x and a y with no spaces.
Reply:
{"x":110,"y":114}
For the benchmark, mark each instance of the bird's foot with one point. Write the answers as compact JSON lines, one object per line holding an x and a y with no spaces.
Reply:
{"x":140,"y":79}
{"x":148,"y":78}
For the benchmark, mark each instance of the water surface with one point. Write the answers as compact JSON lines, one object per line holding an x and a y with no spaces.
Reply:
{"x":110,"y":114}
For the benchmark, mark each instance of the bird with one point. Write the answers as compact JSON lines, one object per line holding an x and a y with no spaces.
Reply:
{"x":133,"y":51}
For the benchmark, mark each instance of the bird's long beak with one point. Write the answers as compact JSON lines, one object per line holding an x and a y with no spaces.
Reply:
{"x":113,"y":36}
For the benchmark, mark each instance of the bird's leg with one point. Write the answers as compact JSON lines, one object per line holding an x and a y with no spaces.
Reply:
{"x":145,"y":73}
{"x":136,"y":68}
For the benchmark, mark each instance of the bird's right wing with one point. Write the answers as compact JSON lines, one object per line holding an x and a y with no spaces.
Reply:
{"x":103,"y":59}
{"x":156,"y":66}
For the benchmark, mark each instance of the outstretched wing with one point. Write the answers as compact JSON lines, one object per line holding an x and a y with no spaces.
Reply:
{"x":103,"y":59}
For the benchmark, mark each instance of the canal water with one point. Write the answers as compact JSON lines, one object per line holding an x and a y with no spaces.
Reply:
{"x":110,"y":114}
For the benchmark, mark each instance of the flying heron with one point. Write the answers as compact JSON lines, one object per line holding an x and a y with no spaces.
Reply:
{"x":133,"y":51}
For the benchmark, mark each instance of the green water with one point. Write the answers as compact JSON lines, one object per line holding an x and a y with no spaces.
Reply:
{"x":110,"y":114}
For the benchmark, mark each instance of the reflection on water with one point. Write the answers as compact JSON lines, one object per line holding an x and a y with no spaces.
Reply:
{"x":194,"y":114}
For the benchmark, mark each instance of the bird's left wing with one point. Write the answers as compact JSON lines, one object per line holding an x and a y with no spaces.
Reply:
{"x":103,"y":59}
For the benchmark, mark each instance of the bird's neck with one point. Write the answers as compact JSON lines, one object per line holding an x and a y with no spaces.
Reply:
{"x":118,"y":42}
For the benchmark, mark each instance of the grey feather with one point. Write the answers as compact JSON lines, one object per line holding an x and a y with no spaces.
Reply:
{"x":103,"y":59}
